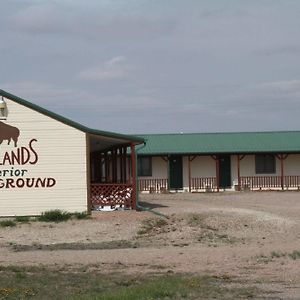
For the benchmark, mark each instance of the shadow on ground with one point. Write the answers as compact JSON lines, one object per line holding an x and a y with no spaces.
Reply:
{"x":148,"y":205}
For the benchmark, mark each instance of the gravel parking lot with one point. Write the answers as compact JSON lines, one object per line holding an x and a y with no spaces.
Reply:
{"x":253,"y":236}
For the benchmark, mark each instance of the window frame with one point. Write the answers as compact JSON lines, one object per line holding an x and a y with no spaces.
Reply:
{"x":3,"y":115}
{"x":141,"y":170}
{"x":265,"y":163}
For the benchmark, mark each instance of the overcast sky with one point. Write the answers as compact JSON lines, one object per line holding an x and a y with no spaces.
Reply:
{"x":151,"y":66}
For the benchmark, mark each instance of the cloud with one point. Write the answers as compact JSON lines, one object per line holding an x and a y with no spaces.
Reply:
{"x":37,"y":19}
{"x":288,"y":50}
{"x":114,"y":68}
{"x":91,"y":21}
{"x":42,"y":93}
{"x":286,"y":86}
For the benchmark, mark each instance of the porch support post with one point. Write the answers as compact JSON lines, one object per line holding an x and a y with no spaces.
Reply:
{"x":239,"y":172}
{"x":282,"y":171}
{"x":216,"y":158}
{"x":124,"y":164}
{"x":282,"y":158}
{"x":190,"y":159}
{"x":239,"y":158}
{"x":106,"y":160}
{"x":133,"y":174}
{"x":189,"y":169}
{"x":218,"y":173}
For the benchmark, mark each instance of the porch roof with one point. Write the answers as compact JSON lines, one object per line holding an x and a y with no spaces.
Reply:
{"x":116,"y":136}
{"x":229,"y":142}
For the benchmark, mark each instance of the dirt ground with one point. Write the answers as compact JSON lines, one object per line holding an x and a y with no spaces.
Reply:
{"x":251,"y":236}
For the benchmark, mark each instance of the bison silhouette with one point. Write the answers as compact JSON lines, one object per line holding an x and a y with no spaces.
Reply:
{"x":9,"y":133}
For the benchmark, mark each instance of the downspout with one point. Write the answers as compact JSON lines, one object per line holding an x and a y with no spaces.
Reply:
{"x":138,"y":206}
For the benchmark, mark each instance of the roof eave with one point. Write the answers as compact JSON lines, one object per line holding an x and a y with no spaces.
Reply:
{"x":67,"y":121}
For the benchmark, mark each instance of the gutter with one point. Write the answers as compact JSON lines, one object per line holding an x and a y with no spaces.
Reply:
{"x":138,"y":206}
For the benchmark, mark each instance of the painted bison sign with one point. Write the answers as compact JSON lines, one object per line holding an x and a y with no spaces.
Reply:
{"x":14,"y":172}
{"x":9,"y":133}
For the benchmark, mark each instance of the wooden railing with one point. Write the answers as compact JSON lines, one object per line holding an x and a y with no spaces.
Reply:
{"x":254,"y":182}
{"x":153,"y":185}
{"x":261,"y":181}
{"x":111,"y":194}
{"x":202,"y":183}
{"x":292,"y":181}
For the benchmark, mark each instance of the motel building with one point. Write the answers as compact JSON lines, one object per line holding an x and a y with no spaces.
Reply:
{"x":211,"y":162}
{"x":49,"y":162}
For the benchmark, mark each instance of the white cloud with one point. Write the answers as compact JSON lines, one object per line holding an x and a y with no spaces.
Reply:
{"x":114,"y":68}
{"x":38,"y":18}
{"x":286,"y":86}
{"x":40,"y":92}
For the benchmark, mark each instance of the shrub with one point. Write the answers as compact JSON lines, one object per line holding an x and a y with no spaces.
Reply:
{"x":294,"y":255}
{"x":156,"y":225}
{"x":55,"y":215}
{"x":7,"y":223}
{"x":81,"y":215}
{"x":22,"y":219}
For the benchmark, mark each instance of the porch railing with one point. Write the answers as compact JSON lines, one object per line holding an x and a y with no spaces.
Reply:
{"x":203,"y":183}
{"x":261,"y":181}
{"x":111,"y":194}
{"x":292,"y":181}
{"x":153,"y":185}
{"x":257,"y":182}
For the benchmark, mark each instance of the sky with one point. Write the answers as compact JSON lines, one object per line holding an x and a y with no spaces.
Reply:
{"x":156,"y":66}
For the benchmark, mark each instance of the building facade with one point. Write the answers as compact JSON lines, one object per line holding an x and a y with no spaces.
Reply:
{"x":220,"y":161}
{"x":49,"y":162}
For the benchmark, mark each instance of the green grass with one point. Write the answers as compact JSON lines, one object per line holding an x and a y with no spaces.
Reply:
{"x":119,"y":244}
{"x":22,"y":219}
{"x":294,"y":255}
{"x":79,"y":284}
{"x":81,"y":215}
{"x":7,"y":223}
{"x":55,"y":215}
{"x":277,"y":254}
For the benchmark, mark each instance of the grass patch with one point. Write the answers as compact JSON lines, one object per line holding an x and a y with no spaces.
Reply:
{"x":55,"y":215}
{"x":22,"y":219}
{"x":81,"y":215}
{"x":208,"y":233}
{"x":278,"y":254}
{"x":7,"y":223}
{"x":197,"y":220}
{"x":155,"y":225}
{"x":34,"y":283}
{"x":294,"y":255}
{"x":120,"y":244}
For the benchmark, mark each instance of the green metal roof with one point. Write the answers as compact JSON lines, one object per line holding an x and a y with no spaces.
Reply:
{"x":68,"y":121}
{"x":213,"y":143}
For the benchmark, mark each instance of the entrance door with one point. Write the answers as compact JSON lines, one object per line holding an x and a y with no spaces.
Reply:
{"x":224,"y":171}
{"x":175,"y":172}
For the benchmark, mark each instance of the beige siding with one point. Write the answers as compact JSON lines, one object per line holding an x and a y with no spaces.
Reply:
{"x":205,"y":166}
{"x":159,"y":169}
{"x":61,"y":153}
{"x":292,"y":165}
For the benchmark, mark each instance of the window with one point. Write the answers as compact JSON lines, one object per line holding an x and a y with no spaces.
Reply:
{"x":3,"y":109}
{"x":265,"y":164}
{"x":145,"y":166}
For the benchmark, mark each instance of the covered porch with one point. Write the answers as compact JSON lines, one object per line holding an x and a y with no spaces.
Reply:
{"x":112,"y":161}
{"x":226,"y":171}
{"x":242,"y":177}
